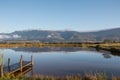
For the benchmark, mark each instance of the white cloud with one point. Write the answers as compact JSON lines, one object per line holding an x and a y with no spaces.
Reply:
{"x":16,"y":36}
{"x":9,"y":36}
{"x":4,"y":36}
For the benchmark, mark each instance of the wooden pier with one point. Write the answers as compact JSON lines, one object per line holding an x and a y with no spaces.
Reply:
{"x":17,"y":69}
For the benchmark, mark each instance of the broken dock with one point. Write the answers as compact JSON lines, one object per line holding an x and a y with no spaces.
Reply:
{"x":17,"y":69}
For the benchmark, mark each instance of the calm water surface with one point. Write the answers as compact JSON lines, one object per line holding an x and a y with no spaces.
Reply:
{"x":64,"y":61}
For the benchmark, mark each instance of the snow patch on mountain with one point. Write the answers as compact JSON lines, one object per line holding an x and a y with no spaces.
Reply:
{"x":49,"y":36}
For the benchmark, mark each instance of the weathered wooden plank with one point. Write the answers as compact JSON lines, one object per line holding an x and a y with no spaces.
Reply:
{"x":25,"y":70}
{"x":16,"y":67}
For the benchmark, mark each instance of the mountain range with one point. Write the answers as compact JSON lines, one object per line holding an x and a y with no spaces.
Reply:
{"x":62,"y":36}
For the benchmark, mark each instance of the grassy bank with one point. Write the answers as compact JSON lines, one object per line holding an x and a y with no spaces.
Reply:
{"x":113,"y":47}
{"x":99,"y":76}
{"x":60,"y":44}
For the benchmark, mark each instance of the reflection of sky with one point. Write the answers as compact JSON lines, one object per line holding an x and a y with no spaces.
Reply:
{"x":65,"y":63}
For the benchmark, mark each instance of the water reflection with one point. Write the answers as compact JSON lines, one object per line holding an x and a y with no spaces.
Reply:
{"x":107,"y":56}
{"x":48,"y":49}
{"x":64,"y":60}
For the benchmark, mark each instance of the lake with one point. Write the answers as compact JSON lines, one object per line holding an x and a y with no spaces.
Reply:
{"x":66,"y":61}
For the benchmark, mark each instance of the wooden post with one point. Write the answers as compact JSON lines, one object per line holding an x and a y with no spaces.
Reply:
{"x":32,"y":72}
{"x":8,"y":64}
{"x":32,"y":64}
{"x":21,"y":63}
{"x":1,"y":70}
{"x":1,"y":65}
{"x":32,"y":61}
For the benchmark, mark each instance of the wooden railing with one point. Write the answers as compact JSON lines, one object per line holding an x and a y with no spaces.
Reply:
{"x":18,"y":68}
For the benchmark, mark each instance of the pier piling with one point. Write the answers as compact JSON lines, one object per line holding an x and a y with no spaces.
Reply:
{"x":21,"y":63}
{"x":1,"y":70}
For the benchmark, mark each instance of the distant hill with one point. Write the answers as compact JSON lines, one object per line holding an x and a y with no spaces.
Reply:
{"x":63,"y":36}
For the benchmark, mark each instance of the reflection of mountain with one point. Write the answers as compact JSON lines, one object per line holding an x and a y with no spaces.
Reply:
{"x":47,"y":49}
{"x":65,"y":49}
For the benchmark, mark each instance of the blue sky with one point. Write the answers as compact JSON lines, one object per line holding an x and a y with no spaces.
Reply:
{"x":78,"y":15}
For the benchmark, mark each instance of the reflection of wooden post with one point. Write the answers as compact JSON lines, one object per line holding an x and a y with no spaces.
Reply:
{"x":21,"y":63}
{"x":32,"y":61}
{"x":32,"y":64}
{"x":9,"y":64}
